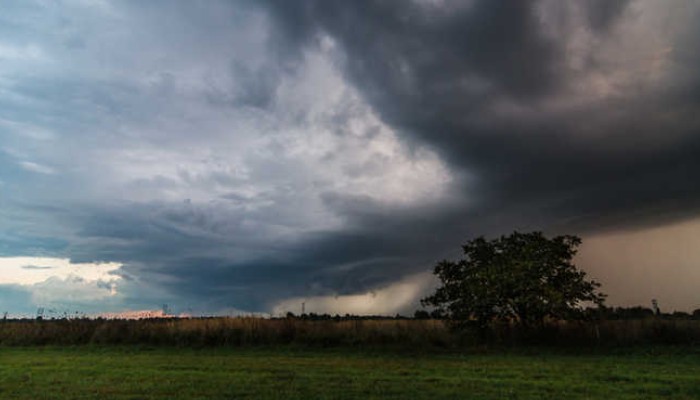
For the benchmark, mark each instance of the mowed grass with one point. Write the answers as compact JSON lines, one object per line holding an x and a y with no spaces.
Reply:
{"x":286,"y":373}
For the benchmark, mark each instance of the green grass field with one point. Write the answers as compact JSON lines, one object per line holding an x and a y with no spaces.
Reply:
{"x":286,"y":373}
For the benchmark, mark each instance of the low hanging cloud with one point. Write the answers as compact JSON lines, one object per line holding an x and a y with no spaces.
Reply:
{"x":401,"y":297}
{"x":247,"y":155}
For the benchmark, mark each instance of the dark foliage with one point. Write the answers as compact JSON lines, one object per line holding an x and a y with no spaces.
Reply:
{"x":524,"y":278}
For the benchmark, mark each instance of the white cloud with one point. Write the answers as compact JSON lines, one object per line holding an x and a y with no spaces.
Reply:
{"x":32,"y":270}
{"x":58,"y":281}
{"x":38,"y":168}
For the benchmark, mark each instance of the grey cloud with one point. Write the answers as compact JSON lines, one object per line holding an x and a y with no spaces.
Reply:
{"x":546,"y":171}
{"x":603,"y":14}
{"x":437,"y":79}
{"x":480,"y":83}
{"x":39,"y":267}
{"x":194,"y":260}
{"x":15,"y":300}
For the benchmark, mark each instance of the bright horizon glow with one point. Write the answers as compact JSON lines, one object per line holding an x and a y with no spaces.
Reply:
{"x":28,"y":271}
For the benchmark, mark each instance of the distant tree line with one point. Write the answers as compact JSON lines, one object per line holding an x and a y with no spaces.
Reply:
{"x":337,"y":317}
{"x":602,"y":313}
{"x":589,"y":314}
{"x":639,"y":312}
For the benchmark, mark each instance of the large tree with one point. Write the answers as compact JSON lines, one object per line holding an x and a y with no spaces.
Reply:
{"x":523,"y":277}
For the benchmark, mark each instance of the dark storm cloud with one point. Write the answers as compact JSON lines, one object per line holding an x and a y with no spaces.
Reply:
{"x":602,"y":14}
{"x":436,"y":79}
{"x":240,"y":270}
{"x":37,"y":267}
{"x":402,"y":54}
{"x":199,"y":254}
{"x":436,"y":75}
{"x":508,"y":93}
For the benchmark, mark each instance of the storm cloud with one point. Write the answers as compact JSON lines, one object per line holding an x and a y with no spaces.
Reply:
{"x":243,"y":155}
{"x":499,"y":90}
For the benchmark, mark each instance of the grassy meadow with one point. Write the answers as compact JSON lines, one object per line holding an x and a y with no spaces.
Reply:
{"x":127,"y":372}
{"x":294,"y":358}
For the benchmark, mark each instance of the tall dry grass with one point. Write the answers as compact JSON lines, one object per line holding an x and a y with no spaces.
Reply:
{"x":406,"y":333}
{"x":225,"y":331}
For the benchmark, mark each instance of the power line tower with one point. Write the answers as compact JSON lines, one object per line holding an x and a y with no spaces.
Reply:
{"x":40,"y":313}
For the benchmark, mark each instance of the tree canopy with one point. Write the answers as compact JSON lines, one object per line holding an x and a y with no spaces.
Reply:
{"x":524,"y":277}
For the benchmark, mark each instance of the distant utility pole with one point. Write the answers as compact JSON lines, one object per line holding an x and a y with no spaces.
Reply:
{"x":303,"y":307}
{"x":4,"y":316}
{"x":40,"y":313}
{"x":166,"y":309}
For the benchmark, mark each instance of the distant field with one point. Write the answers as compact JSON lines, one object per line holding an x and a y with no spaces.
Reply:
{"x":93,"y":372}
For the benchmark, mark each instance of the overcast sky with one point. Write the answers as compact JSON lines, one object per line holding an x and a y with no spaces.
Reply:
{"x":226,"y":157}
